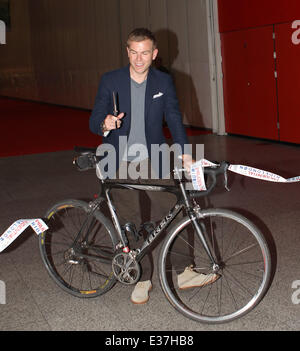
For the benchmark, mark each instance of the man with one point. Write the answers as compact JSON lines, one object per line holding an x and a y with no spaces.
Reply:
{"x":145,"y":96}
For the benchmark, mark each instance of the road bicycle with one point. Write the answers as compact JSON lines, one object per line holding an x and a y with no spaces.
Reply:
{"x":86,"y":249}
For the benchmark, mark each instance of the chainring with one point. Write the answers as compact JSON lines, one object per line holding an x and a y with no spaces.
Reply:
{"x":126,"y":269}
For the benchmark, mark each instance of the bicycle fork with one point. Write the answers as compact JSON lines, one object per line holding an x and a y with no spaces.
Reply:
{"x":193,"y":216}
{"x":200,"y":235}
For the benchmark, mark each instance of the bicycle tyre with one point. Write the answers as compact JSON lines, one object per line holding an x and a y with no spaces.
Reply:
{"x":81,"y":274}
{"x":227,"y":298}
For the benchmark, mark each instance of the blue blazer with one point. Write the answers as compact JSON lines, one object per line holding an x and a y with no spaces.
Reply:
{"x":160,"y":101}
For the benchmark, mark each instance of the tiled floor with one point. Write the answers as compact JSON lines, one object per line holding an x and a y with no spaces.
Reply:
{"x":30,"y":184}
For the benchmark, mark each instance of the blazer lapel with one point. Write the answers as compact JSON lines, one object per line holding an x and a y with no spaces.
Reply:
{"x":126,"y":100}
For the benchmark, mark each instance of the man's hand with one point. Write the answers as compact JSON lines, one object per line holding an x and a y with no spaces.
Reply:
{"x":187,"y":162}
{"x":112,"y":122}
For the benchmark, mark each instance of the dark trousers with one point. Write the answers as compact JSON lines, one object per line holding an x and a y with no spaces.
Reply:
{"x":138,"y":207}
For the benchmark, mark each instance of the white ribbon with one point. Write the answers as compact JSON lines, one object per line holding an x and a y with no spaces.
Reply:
{"x":18,"y":227}
{"x":198,"y":177}
{"x":260,"y":174}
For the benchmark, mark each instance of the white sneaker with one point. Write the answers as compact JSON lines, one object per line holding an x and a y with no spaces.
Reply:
{"x":191,"y":279}
{"x":140,"y":293}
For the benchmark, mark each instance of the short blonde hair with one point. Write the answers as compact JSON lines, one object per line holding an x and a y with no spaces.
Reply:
{"x":140,"y":34}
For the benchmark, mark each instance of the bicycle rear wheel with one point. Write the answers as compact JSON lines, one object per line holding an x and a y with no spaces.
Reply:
{"x":243,"y":258}
{"x":82,"y":268}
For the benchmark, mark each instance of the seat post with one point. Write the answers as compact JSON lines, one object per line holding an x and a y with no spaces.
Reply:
{"x":115,"y":218}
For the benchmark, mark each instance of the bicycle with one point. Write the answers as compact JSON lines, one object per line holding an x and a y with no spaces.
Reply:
{"x":86,"y":253}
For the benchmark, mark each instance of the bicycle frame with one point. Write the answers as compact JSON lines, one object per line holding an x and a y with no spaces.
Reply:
{"x":106,"y":188}
{"x":183,"y":201}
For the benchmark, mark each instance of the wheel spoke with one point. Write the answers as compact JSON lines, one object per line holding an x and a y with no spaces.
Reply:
{"x":82,"y":268}
{"x":244,"y":267}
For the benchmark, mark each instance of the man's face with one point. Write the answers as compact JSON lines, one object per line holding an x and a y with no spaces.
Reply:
{"x":141,"y":54}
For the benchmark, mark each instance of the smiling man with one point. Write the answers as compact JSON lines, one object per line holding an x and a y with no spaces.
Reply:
{"x":145,"y":96}
{"x":141,"y":54}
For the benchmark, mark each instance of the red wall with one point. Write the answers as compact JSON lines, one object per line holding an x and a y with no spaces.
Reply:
{"x":288,"y":68}
{"x":241,"y":14}
{"x":249,"y":83}
{"x":258,"y":102}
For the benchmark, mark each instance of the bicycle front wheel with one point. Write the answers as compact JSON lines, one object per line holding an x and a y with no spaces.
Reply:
{"x":243,"y":261}
{"x":78,"y":248}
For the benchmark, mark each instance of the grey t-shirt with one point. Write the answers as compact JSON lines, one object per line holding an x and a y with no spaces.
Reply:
{"x":137,"y":146}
